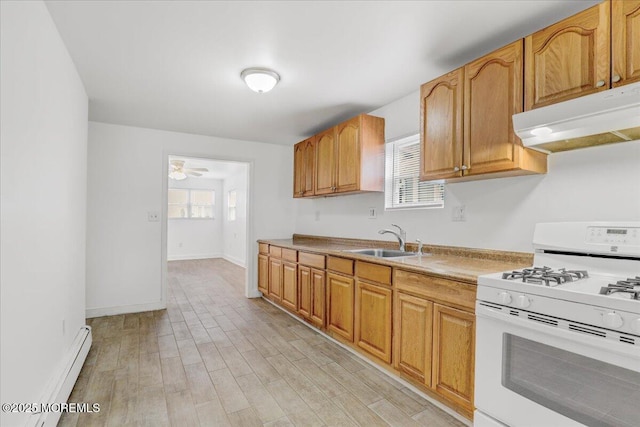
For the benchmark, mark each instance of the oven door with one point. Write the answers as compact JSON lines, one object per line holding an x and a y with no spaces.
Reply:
{"x":532,"y":374}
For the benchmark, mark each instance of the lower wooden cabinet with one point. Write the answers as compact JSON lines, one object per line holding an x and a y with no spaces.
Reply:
{"x":453,"y":354}
{"x":373,"y":319}
{"x":290,"y":285}
{"x":434,"y":330}
{"x":275,"y":278}
{"x":311,"y":295}
{"x":413,"y":336}
{"x":263,"y":274}
{"x":340,"y":305}
{"x":304,"y":291}
{"x":318,"y":297}
{"x":419,"y":326}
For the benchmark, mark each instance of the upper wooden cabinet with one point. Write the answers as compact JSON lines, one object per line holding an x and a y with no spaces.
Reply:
{"x":304,"y":168}
{"x":492,"y":95}
{"x":325,"y":163}
{"x":625,"y":41}
{"x":467,"y":129}
{"x":348,"y":158}
{"x":568,"y":59}
{"x":441,"y":127}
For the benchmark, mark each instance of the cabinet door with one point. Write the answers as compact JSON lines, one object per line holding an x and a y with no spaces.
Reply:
{"x":625,"y":33}
{"x":325,"y":162}
{"x":568,"y":59}
{"x":304,"y":291}
{"x":453,"y":354}
{"x":290,"y":285}
{"x":413,"y":336}
{"x":298,"y":170}
{"x":309,"y":160}
{"x":441,"y":127}
{"x":275,"y":278}
{"x":318,"y":297}
{"x":373,"y":319}
{"x":348,"y":155}
{"x":492,"y":94}
{"x":340,"y":305}
{"x":263,"y":274}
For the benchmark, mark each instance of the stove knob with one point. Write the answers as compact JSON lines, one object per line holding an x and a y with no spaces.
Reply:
{"x":504,"y":298}
{"x":523,"y":301}
{"x":612,"y":320}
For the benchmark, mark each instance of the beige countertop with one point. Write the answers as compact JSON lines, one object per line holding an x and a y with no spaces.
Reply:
{"x":462,"y":264}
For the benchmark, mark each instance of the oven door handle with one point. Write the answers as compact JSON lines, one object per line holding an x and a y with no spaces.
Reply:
{"x":602,"y":344}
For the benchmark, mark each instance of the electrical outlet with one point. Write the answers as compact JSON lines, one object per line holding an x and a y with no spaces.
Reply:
{"x":372,"y":213}
{"x":153,"y":216}
{"x":458,"y":213}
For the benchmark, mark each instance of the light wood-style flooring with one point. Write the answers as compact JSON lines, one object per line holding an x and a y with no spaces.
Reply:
{"x":216,"y":358}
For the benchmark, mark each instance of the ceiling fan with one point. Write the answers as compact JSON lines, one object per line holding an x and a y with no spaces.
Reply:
{"x":178,"y":172}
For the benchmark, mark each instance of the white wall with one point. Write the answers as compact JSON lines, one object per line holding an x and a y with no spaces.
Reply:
{"x":235,"y":235}
{"x":43,"y":179}
{"x":124,"y":250}
{"x":196,"y":238}
{"x":600,"y":183}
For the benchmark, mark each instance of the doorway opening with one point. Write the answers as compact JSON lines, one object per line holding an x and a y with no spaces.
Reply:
{"x":207,"y":217}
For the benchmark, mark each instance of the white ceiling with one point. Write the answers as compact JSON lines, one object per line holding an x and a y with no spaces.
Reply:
{"x":175,"y":65}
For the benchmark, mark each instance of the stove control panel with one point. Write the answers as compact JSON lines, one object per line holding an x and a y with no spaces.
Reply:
{"x":624,"y":236}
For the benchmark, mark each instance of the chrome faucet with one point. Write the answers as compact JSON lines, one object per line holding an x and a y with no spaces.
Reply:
{"x":401,"y":235}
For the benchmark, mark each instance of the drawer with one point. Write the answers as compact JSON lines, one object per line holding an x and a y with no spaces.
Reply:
{"x":311,"y":260}
{"x":341,"y":265}
{"x":275,"y":251}
{"x":434,"y":288}
{"x":374,"y":272}
{"x":290,"y":255}
{"x":263,"y":248}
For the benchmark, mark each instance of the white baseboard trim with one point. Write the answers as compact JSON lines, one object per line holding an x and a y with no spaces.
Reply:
{"x":124,"y":309}
{"x":185,"y":257}
{"x":402,"y":381}
{"x":61,"y":384}
{"x":234,"y":260}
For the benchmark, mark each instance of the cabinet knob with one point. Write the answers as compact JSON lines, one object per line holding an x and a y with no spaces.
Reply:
{"x":615,"y":79}
{"x":456,"y":169}
{"x":600,"y":83}
{"x":333,"y":188}
{"x":464,"y":168}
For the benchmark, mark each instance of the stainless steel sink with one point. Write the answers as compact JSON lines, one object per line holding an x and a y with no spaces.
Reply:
{"x":382,"y":253}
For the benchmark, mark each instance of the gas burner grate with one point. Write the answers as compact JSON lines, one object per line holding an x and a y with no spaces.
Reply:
{"x":630,"y":287}
{"x":545,"y":275}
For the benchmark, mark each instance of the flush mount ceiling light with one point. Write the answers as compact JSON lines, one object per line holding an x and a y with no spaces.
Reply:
{"x":260,"y":80}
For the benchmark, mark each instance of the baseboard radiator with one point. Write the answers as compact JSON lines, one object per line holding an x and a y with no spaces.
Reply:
{"x":60,"y":390}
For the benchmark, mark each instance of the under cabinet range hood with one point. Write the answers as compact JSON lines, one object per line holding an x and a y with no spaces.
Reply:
{"x":601,"y":118}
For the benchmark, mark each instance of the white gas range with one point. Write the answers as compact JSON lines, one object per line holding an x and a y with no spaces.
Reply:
{"x":558,"y":344}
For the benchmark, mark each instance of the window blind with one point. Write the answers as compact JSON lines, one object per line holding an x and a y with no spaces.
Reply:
{"x":403,"y":189}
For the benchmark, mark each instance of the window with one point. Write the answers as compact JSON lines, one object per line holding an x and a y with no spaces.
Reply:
{"x":403,"y":189}
{"x":189,"y":203}
{"x":231,"y":204}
